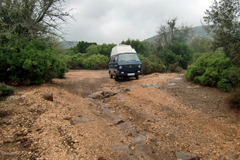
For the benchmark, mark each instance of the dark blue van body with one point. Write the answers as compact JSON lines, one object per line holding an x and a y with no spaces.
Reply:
{"x":124,"y":64}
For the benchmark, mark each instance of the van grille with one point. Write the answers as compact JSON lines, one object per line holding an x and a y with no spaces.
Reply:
{"x":130,"y":66}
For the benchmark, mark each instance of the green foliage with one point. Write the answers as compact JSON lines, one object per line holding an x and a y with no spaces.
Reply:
{"x":29,"y":62}
{"x":82,"y":46}
{"x":201,"y":44}
{"x":234,"y":99}
{"x":96,"y":61}
{"x":6,"y":89}
{"x":184,"y":52}
{"x":213,"y":69}
{"x":140,"y":47}
{"x":153,"y":65}
{"x":80,"y":61}
{"x":178,"y":53}
{"x":222,"y":21}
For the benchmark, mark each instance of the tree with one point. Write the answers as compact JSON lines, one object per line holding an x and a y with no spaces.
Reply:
{"x":82,"y":46}
{"x":169,"y":32}
{"x":222,"y":20}
{"x":201,"y":44}
{"x":31,"y":18}
{"x":140,"y":47}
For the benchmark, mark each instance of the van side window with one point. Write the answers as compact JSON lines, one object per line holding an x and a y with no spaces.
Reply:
{"x":115,"y":59}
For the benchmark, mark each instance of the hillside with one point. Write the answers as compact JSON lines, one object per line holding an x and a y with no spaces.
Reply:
{"x":68,"y":44}
{"x":197,"y":31}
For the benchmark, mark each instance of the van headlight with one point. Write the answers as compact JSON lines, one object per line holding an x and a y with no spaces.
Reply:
{"x":139,"y":66}
{"x":120,"y":67}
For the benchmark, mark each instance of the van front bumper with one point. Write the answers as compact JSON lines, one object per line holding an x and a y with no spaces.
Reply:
{"x":128,"y":74}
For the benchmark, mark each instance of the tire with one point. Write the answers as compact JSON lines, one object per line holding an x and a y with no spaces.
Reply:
{"x":110,"y":75}
{"x":137,"y":77}
{"x":116,"y":77}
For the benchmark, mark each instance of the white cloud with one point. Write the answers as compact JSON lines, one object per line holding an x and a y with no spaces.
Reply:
{"x":111,"y":21}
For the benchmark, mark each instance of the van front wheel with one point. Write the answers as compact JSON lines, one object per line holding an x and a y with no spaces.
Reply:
{"x":116,"y":77}
{"x":110,"y":75}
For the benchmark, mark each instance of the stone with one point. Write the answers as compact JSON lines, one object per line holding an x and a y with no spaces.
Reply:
{"x":192,"y":87}
{"x":122,"y":147}
{"x":138,"y":139}
{"x":19,"y":133}
{"x":105,"y":100}
{"x":171,"y":84}
{"x":90,"y":99}
{"x":48,"y":96}
{"x":7,"y":122}
{"x":33,"y":157}
{"x":12,"y":97}
{"x":117,"y":121}
{"x":178,"y":79}
{"x":184,"y":156}
{"x":67,"y":118}
{"x":83,"y":120}
{"x":129,"y":88}
{"x":96,"y":96}
{"x":233,"y":156}
{"x":150,"y":85}
{"x":107,"y":94}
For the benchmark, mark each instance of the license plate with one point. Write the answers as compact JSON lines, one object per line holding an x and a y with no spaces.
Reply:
{"x":131,"y":74}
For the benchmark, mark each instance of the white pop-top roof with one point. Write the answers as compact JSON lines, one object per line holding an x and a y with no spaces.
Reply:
{"x":122,"y":49}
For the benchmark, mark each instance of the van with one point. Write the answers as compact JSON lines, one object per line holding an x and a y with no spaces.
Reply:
{"x":124,"y":62}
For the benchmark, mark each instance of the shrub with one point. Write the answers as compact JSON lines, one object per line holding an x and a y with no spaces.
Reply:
{"x":96,"y":61}
{"x":234,"y":99}
{"x":153,"y":65}
{"x":213,"y":69}
{"x":31,"y":62}
{"x":6,"y":89}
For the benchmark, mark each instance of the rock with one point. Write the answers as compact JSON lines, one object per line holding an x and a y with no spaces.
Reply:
{"x":184,"y":156}
{"x":12,"y":97}
{"x":72,"y":122}
{"x":233,"y":156}
{"x":138,"y":139}
{"x":96,"y":96}
{"x":83,"y":120}
{"x":25,"y":133}
{"x":21,"y":93}
{"x":33,"y":157}
{"x":177,"y":79}
{"x":117,"y":148}
{"x":105,"y":100}
{"x":192,"y":87}
{"x":90,"y":99}
{"x":7,"y":122}
{"x":171,"y":84}
{"x":19,"y":133}
{"x":161,"y":76}
{"x":150,"y":85}
{"x":48,"y":96}
{"x":117,"y":121}
{"x":107,"y":94}
{"x":129,"y":88}
{"x":67,"y":118}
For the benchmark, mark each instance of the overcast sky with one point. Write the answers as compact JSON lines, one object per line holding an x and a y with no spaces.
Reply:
{"x":111,"y":21}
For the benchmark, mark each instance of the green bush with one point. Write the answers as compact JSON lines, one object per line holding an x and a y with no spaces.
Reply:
{"x":234,"y":99}
{"x":6,"y":89}
{"x":30,"y":62}
{"x":214,"y":69}
{"x":153,"y":65}
{"x":96,"y":61}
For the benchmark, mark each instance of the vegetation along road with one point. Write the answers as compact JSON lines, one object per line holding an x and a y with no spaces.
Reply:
{"x":159,"y":116}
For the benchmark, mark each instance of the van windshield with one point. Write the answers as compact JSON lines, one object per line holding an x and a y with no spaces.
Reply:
{"x":128,"y":57}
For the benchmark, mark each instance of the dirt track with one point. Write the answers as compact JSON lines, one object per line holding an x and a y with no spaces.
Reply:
{"x":159,"y":116}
